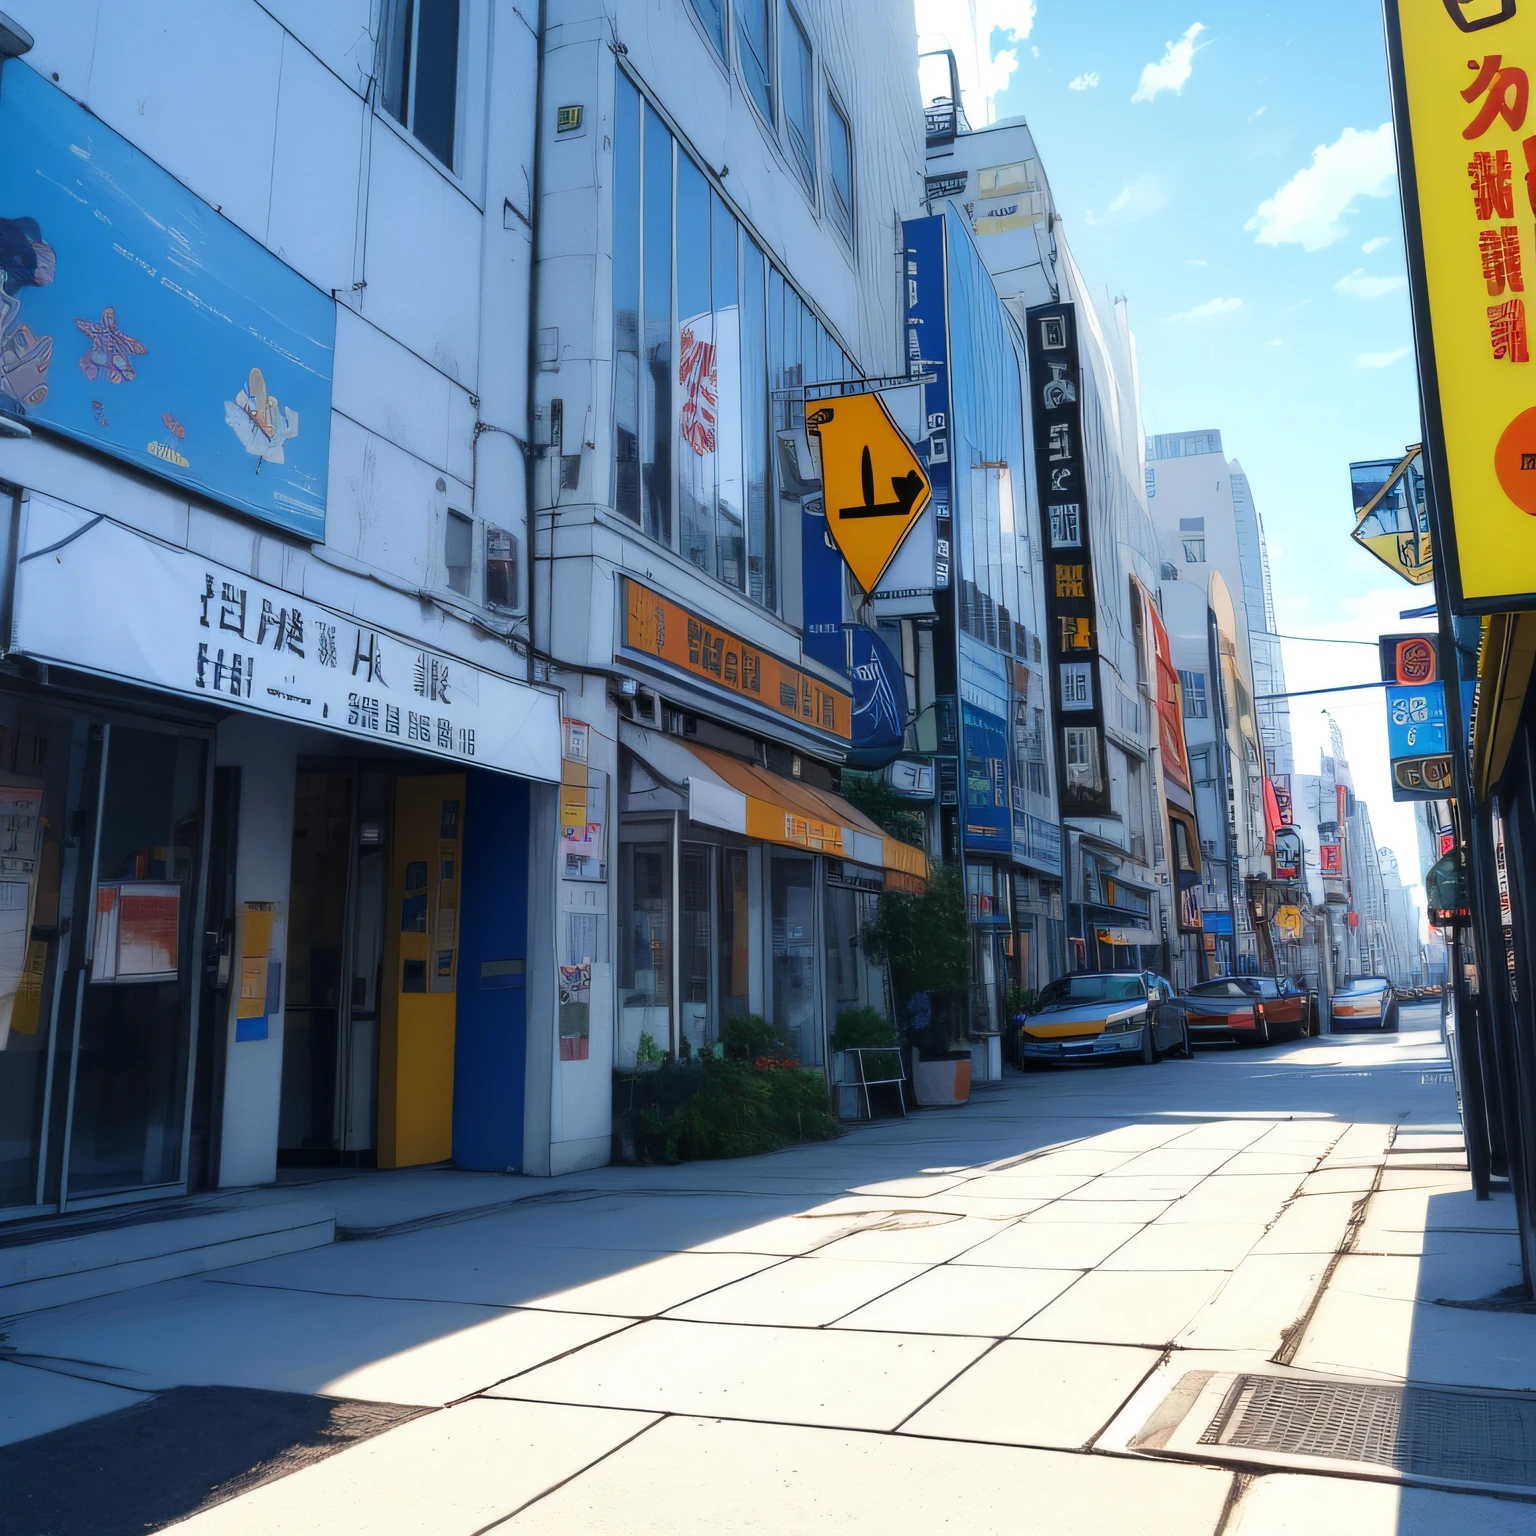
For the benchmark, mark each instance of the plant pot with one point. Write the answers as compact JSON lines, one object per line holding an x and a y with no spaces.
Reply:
{"x":941,"y":1084}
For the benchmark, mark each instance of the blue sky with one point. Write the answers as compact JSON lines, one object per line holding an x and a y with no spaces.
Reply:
{"x":1223,"y":163}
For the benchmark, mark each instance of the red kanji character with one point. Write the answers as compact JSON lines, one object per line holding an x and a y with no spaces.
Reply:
{"x":1490,"y":171}
{"x":1506,"y":331}
{"x":1500,"y":249}
{"x":1508,"y":95}
{"x":1529,"y":146}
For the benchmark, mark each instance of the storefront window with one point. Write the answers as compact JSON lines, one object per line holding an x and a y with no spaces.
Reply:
{"x":735,"y":933}
{"x":695,"y":948}
{"x":794,"y":958}
{"x":645,"y":939}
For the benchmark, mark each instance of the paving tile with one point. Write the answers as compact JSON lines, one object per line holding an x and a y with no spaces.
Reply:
{"x":1134,"y":1186}
{"x":1313,"y":1224}
{"x":1125,"y":1307}
{"x":1086,"y":1160}
{"x":651,"y":1288}
{"x":1098,"y":1211}
{"x":1135,"y":1137}
{"x":446,"y":1474}
{"x":34,"y":1401}
{"x":691,"y":1475}
{"x":1036,"y":1392}
{"x":1233,"y":1135}
{"x":788,"y":1235}
{"x":1264,"y":1297}
{"x":204,"y":1332}
{"x":932,"y":1184}
{"x":1180,"y":1159}
{"x":1298,"y":1163}
{"x":1188,"y":1245}
{"x":792,"y":1375}
{"x":1039,"y":1186}
{"x":936,"y":1243}
{"x":1339,"y":1181}
{"x":964,"y":1299}
{"x":1285,"y":1504}
{"x":1059,"y":1245}
{"x":1255,"y":1197}
{"x":800,"y":1293}
{"x":1481,"y":1265}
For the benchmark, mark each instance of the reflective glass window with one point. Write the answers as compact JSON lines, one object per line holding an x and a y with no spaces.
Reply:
{"x":730,"y":501}
{"x":754,"y":50}
{"x":839,"y":169}
{"x":795,"y":78}
{"x":698,"y":376}
{"x":656,"y":385}
{"x":626,"y":299}
{"x":754,"y":423}
{"x":711,"y":14}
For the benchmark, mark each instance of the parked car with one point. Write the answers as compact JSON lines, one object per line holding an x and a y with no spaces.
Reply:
{"x":1368,"y":1002}
{"x":1097,"y":1014}
{"x":1249,"y":1010}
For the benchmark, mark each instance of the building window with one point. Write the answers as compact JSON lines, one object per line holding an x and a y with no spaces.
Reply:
{"x":500,"y":568}
{"x":1196,"y":705}
{"x":458,"y":551}
{"x":421,"y":71}
{"x":1194,"y":551}
{"x":1077,"y":685}
{"x":796,"y":81}
{"x":840,"y":169}
{"x":1066,"y":525}
{"x":1039,"y":780}
{"x":626,"y":299}
{"x":754,"y":51}
{"x":711,"y":14}
{"x":1081,"y":753}
{"x":1151,"y":482}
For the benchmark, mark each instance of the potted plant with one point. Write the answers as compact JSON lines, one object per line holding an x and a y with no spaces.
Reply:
{"x":925,"y":942}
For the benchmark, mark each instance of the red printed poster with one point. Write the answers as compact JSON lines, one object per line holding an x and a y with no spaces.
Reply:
{"x":148,"y":929}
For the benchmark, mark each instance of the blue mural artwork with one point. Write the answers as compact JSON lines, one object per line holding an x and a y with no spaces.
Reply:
{"x":135,"y":318}
{"x":879,"y":701}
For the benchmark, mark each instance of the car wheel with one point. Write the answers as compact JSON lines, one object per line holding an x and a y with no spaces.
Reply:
{"x":1148,"y":1044}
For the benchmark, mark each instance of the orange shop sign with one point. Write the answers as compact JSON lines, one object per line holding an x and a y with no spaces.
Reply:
{"x":660,"y":630}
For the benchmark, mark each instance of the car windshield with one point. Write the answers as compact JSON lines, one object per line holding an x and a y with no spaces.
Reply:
{"x":1069,"y":991}
{"x":1224,"y":986}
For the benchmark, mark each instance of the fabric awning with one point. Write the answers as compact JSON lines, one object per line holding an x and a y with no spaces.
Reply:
{"x":736,"y":796}
{"x":1503,"y":679}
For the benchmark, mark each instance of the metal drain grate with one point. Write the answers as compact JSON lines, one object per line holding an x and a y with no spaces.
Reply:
{"x":1424,"y":1431}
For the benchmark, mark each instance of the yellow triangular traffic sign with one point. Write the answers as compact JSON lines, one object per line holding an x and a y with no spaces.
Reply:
{"x":872,"y":482}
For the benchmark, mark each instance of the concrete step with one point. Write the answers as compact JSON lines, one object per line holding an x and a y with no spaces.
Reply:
{"x":51,"y":1266}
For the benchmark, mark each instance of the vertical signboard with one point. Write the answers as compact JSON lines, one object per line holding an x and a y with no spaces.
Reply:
{"x":1072,"y":619}
{"x":1170,"y":705}
{"x":1418,"y":740}
{"x":1466,"y":147}
{"x":988,"y":817}
{"x":927,"y":341}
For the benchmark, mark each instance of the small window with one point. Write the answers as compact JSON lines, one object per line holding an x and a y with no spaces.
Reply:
{"x":421,"y":71}
{"x":1077,"y":685}
{"x":840,"y":169}
{"x":795,"y":80}
{"x":500,"y":568}
{"x":711,"y":14}
{"x":458,"y":552}
{"x":754,"y":50}
{"x":1066,"y":524}
{"x":1194,"y":551}
{"x":1196,"y":705}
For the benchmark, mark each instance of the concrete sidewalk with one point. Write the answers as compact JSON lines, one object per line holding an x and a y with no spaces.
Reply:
{"x":1011,"y":1316}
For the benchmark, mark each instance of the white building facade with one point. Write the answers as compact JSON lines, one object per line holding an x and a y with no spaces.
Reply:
{"x":268,"y":716}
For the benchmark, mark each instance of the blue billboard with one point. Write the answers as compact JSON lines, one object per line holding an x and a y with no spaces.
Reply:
{"x":136,"y":319}
{"x":927,"y":344}
{"x":988,"y":816}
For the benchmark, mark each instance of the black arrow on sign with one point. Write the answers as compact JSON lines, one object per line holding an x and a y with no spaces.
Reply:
{"x":907,"y":489}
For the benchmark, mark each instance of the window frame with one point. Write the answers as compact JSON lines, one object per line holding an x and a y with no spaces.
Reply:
{"x":455,"y":165}
{"x":722,"y":48}
{"x":849,"y":232}
{"x":768,"y":113}
{"x":452,"y":520}
{"x":792,"y":26}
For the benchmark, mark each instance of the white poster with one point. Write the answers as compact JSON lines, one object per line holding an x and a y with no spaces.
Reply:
{"x":95,"y":595}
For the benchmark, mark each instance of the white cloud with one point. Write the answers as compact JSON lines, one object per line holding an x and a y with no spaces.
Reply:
{"x":1141,"y":198}
{"x":1172,"y":71}
{"x":1084,"y":82}
{"x":1381,"y":359}
{"x":984,"y":75}
{"x":1307,"y":209}
{"x":1252,"y":116}
{"x":1364,"y":287}
{"x":1210,"y":308}
{"x":1372,"y":246}
{"x":1274,"y":341}
{"x":1195,"y":261}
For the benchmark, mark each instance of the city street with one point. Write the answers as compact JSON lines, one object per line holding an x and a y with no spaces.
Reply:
{"x":962,"y":1320}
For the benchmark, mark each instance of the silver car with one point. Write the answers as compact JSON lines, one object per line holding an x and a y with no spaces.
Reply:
{"x":1097,"y":1014}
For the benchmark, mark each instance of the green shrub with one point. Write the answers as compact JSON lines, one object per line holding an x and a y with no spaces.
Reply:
{"x":749,"y":1036}
{"x":710,"y":1108}
{"x":862,"y":1028}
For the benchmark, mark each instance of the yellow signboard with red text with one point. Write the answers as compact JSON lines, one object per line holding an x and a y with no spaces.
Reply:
{"x":1466,"y":137}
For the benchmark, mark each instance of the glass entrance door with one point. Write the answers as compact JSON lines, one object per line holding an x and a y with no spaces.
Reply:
{"x":795,"y":1013}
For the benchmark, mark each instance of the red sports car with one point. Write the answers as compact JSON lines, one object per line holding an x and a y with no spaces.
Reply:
{"x":1252,"y":1010}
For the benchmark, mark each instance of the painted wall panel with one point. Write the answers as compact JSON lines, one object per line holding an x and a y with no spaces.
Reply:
{"x":422,"y":258}
{"x":336,"y":32}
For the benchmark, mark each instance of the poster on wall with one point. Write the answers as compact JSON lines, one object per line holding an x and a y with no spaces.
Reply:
{"x":137,"y":319}
{"x":988,"y":815}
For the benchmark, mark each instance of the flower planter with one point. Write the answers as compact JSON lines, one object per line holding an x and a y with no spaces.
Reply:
{"x":941,"y":1084}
